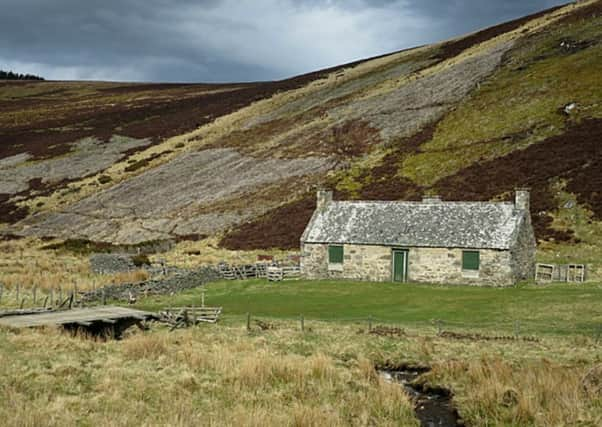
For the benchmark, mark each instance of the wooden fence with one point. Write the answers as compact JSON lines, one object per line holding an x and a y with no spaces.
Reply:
{"x":247,"y":271}
{"x":575,"y":273}
{"x":259,"y":270}
{"x":276,"y":274}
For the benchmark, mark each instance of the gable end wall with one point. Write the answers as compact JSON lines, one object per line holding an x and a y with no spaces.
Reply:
{"x":523,"y":252}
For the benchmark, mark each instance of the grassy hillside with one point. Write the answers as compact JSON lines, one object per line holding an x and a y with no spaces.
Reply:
{"x":469,"y":118}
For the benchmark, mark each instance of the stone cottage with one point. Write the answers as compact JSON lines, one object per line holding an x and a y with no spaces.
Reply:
{"x":434,"y":241}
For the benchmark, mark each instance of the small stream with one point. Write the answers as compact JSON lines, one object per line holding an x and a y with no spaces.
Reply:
{"x":433,"y":405}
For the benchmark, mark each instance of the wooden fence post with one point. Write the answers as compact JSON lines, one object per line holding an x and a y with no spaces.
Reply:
{"x":439,"y":326}
{"x":60,"y":293}
{"x":302,"y":323}
{"x":248,"y":321}
{"x":369,"y":323}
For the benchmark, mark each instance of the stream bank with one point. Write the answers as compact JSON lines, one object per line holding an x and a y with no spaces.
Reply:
{"x":433,"y":405}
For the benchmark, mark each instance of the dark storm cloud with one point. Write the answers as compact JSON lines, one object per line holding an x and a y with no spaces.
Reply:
{"x":225,"y":40}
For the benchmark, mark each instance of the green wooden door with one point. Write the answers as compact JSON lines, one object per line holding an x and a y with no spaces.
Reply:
{"x":400,"y":265}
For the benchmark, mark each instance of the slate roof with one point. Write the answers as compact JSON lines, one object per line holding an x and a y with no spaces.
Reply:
{"x":478,"y":225}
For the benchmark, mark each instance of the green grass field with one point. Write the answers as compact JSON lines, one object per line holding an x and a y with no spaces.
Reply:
{"x":551,"y":309}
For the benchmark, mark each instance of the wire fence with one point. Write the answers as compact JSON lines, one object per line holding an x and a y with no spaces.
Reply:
{"x":519,"y":328}
{"x":524,"y":330}
{"x":37,"y":297}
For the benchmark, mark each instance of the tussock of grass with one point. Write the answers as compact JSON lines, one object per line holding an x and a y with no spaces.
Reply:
{"x":526,"y":393}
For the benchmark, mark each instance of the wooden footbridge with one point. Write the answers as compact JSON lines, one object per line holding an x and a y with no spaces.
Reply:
{"x":105,"y":319}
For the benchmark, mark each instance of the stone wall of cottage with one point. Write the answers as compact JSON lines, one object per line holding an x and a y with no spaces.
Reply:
{"x":523,"y":252}
{"x":429,"y":265}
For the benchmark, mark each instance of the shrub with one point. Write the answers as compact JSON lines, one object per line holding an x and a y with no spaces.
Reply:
{"x":140,"y":260}
{"x":104,"y":179}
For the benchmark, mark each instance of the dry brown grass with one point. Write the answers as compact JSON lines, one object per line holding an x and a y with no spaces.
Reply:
{"x":129,"y":277}
{"x":222,"y":375}
{"x":23,"y":263}
{"x":191,"y":254}
{"x":194,"y":377}
{"x":541,"y":393}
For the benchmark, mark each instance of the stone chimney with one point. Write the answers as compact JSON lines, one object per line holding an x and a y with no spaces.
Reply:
{"x":522,"y":197}
{"x":324,"y":197}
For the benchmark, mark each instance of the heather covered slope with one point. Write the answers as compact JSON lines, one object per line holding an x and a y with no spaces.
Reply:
{"x":469,"y":118}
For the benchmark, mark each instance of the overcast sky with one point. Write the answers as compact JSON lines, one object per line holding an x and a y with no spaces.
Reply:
{"x":226,"y":40}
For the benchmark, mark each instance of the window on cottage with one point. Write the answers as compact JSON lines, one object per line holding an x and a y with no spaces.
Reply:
{"x":470,"y":260}
{"x":335,"y":254}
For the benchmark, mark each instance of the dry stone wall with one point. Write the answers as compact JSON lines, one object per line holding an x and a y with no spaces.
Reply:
{"x":102,"y":263}
{"x":179,"y":281}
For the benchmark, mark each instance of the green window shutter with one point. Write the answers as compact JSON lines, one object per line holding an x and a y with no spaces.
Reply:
{"x":335,"y":254}
{"x":470,"y":260}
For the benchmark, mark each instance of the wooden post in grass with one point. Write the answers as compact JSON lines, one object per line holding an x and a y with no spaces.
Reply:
{"x":248,"y":321}
{"x":22,"y":302}
{"x":60,"y":293}
{"x":302,"y":323}
{"x":104,"y":296}
{"x":439,"y":326}
{"x":45,"y":301}
{"x":369,"y":323}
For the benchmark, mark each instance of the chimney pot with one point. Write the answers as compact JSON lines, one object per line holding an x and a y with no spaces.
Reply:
{"x":522,"y":198}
